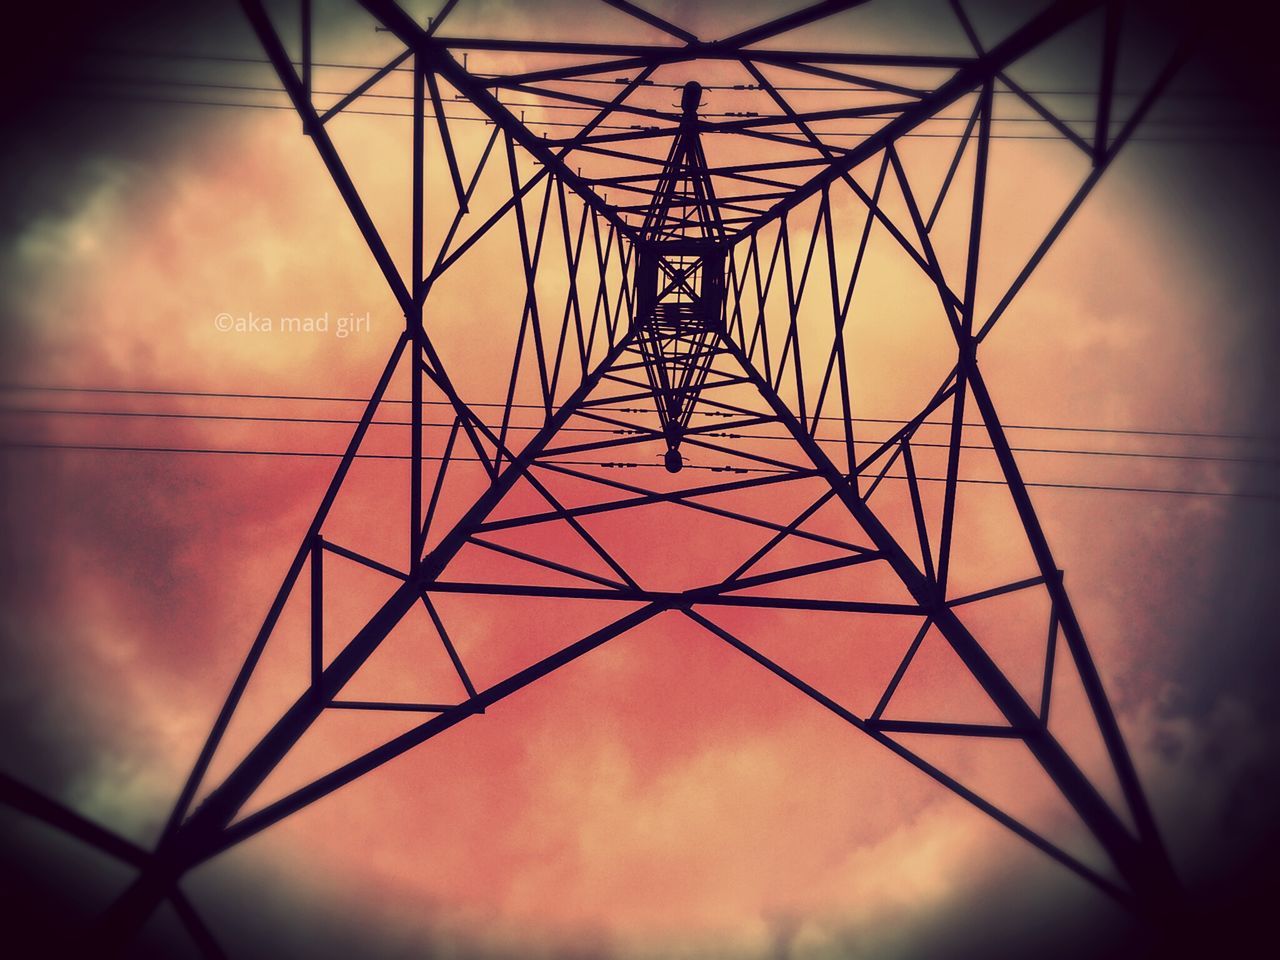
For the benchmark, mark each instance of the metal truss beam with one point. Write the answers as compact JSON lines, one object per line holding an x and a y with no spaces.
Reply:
{"x":660,"y":345}
{"x":971,"y":76}
{"x":197,"y":837}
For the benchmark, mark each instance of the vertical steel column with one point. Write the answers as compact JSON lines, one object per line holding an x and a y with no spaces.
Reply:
{"x":1072,"y":632}
{"x":192,"y":840}
{"x":413,"y":317}
{"x":1148,"y":877}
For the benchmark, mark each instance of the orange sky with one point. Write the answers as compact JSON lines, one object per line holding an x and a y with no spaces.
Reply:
{"x":663,"y":795}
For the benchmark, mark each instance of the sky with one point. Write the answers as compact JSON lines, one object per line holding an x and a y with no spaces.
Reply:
{"x":663,"y":796}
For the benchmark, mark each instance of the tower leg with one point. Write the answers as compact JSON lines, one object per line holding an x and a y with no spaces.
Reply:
{"x":1142,"y":863}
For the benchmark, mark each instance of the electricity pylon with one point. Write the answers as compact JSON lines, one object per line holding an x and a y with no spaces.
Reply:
{"x":686,"y":330}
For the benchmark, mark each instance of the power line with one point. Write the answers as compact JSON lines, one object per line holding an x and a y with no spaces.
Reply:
{"x":617,"y":81}
{"x":740,"y":87}
{"x":406,"y":115}
{"x":332,"y":455}
{"x":782,"y":118}
{"x":253,"y":88}
{"x":329,"y":398}
{"x":718,"y":468}
{"x":347,"y":421}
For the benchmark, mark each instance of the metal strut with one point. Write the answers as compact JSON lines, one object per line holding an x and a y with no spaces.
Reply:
{"x":683,"y":295}
{"x":680,"y":292}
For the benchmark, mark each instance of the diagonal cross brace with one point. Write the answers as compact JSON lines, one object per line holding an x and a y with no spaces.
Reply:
{"x":1143,"y":867}
{"x":434,"y":52}
{"x":203,"y":833}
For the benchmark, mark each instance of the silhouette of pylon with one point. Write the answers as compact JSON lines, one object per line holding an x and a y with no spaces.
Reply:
{"x":671,"y":359}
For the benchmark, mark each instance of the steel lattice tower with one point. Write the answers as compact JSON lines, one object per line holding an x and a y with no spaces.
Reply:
{"x":683,"y":331}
